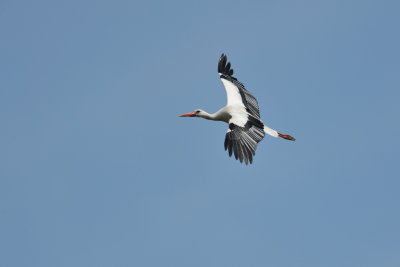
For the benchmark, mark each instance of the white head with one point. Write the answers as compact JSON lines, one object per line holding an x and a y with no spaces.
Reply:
{"x":196,"y":113}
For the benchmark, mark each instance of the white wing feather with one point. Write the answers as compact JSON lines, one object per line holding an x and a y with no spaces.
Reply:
{"x":232,"y":94}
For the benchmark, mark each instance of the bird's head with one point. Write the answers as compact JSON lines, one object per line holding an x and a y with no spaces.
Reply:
{"x":196,"y":113}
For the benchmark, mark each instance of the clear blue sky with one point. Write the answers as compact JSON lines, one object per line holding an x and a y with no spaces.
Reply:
{"x":98,"y":170}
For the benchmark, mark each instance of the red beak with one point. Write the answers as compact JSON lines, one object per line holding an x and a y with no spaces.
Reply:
{"x":190,"y":114}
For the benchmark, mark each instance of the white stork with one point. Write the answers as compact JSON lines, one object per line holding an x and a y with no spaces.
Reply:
{"x":242,"y":114}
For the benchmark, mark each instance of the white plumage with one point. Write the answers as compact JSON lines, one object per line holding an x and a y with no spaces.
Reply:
{"x":242,"y":114}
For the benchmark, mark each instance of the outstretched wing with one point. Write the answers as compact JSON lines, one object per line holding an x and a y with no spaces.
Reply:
{"x":235,"y":91}
{"x":242,"y":141}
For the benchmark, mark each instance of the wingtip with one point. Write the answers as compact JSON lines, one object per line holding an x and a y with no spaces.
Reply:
{"x":224,"y":66}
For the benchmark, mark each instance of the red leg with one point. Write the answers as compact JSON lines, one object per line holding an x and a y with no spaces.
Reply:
{"x":287,"y":137}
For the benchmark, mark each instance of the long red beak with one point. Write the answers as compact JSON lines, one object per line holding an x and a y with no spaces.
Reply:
{"x":190,"y":114}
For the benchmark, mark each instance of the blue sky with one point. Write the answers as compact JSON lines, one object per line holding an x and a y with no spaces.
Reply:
{"x":97,"y":169}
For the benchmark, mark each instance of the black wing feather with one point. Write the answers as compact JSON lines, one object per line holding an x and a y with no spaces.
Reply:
{"x":243,"y":140}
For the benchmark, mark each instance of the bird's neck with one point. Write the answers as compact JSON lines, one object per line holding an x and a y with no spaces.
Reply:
{"x":217,"y":116}
{"x":208,"y":116}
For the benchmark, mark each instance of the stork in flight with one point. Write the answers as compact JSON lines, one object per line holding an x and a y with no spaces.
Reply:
{"x":241,"y":112}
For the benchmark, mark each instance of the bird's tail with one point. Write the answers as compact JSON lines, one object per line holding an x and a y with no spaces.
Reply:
{"x":274,"y":133}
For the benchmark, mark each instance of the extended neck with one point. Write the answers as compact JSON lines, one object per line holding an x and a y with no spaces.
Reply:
{"x":217,"y":116}
{"x":208,"y":116}
{"x":220,"y":115}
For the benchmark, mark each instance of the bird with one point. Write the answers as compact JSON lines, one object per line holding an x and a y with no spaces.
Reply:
{"x":242,"y":114}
